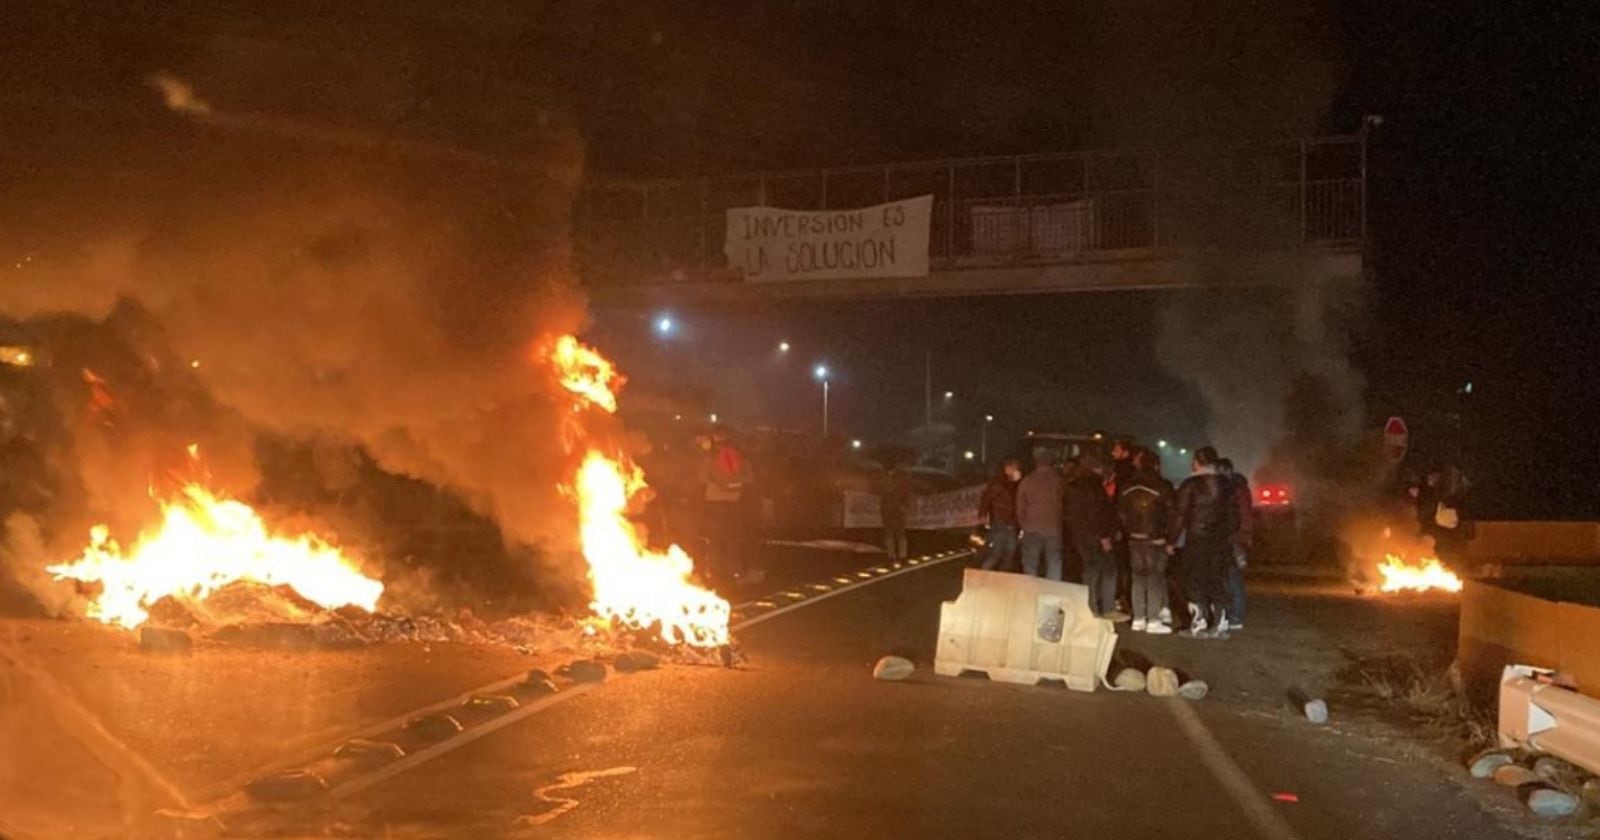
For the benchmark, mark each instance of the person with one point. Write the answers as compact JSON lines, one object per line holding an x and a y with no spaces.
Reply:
{"x":1439,"y":511}
{"x":1144,"y":509}
{"x":997,"y":507}
{"x":1122,"y":455}
{"x":1205,"y":519}
{"x":1039,"y":516}
{"x":725,"y":474}
{"x":896,"y":498}
{"x":1234,"y":578}
{"x":1091,"y":524}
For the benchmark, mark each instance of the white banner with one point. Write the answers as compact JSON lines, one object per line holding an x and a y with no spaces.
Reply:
{"x":951,"y":509}
{"x":888,"y":240}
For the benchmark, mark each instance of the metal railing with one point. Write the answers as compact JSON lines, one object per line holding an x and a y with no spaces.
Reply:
{"x":1003,"y":211}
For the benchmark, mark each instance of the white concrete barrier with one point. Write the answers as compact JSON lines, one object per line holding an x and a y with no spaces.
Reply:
{"x":1023,"y":629}
{"x":1539,"y":715}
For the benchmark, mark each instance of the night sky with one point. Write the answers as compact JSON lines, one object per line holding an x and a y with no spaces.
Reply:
{"x":1482,"y":261}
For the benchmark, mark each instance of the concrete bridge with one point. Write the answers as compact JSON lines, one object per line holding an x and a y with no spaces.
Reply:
{"x":1082,"y":221}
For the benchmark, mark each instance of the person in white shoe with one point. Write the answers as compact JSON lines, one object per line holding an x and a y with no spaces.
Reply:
{"x":1144,"y":509}
{"x":1206,"y":519}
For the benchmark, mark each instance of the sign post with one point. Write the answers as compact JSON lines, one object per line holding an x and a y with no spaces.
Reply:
{"x":1396,"y":439}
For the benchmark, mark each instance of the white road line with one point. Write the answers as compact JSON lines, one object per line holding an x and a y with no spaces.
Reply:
{"x":926,"y":563}
{"x":1263,"y":816}
{"x":388,"y":771}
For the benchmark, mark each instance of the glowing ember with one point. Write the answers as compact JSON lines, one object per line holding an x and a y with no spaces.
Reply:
{"x":634,"y":586}
{"x":205,"y":543}
{"x":1429,"y":573}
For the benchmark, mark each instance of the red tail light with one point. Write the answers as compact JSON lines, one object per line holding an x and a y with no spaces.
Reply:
{"x":1273,"y":495}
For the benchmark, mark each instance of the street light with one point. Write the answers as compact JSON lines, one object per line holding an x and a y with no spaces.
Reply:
{"x":969,"y":454}
{"x":713,"y":417}
{"x":783,"y":347}
{"x":1182,"y":451}
{"x":855,"y":444}
{"x":821,"y":373}
{"x":949,"y":395}
{"x":665,"y":325}
{"x":983,"y":436}
{"x":1161,"y":444}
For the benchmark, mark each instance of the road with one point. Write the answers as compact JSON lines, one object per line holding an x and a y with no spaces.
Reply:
{"x":801,"y":742}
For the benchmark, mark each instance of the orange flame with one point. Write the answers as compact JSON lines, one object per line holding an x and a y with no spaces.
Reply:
{"x":585,"y":372}
{"x":634,"y":586}
{"x":206,"y":542}
{"x":1429,"y":573}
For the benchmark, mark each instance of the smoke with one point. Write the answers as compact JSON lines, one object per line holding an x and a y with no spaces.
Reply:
{"x":310,"y":283}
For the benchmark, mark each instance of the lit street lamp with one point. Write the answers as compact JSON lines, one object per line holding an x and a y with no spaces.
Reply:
{"x":783,"y":347}
{"x":821,"y":373}
{"x":665,"y":325}
{"x":855,"y":444}
{"x":969,"y":454}
{"x":983,"y":436}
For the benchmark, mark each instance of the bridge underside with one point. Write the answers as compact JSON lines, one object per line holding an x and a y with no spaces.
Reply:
{"x":1123,"y":272}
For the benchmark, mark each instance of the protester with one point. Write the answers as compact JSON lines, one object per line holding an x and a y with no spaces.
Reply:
{"x":1144,"y":508}
{"x":1122,"y":453}
{"x":997,"y":507}
{"x":725,"y":476}
{"x":1204,"y":523}
{"x":1440,"y":515}
{"x":1039,"y":499}
{"x":1091,"y":522}
{"x":1241,"y":542}
{"x":894,"y":500}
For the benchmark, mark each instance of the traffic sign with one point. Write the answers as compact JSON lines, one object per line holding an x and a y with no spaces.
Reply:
{"x":1396,"y":437}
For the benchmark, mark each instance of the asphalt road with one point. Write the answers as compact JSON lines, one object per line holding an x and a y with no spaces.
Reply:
{"x":801,"y":742}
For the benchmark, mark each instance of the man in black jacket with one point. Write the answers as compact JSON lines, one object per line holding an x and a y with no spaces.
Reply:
{"x":1144,"y":507}
{"x":1204,"y":522}
{"x":1091,"y":525}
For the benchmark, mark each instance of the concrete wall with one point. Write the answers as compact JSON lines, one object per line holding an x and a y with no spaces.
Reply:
{"x":1569,"y":542}
{"x":1501,"y":626}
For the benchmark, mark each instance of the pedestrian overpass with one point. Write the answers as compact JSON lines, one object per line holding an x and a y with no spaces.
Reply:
{"x":1081,"y":221}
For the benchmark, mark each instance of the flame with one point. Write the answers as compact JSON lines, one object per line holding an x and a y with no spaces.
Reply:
{"x":206,"y":542}
{"x":1429,"y":573}
{"x":634,"y":586}
{"x":585,"y":372}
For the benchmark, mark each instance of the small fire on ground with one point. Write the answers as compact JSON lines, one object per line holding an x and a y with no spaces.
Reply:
{"x":204,"y":543}
{"x":635,"y":586}
{"x":1426,"y":574}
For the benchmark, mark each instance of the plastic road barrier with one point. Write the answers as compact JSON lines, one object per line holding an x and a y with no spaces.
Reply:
{"x":1022,"y":629}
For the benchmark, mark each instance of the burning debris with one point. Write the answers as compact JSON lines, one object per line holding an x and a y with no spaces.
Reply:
{"x":206,"y":542}
{"x":1422,"y":576}
{"x":634,"y":586}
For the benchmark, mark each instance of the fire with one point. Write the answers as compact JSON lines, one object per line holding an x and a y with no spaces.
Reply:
{"x":1429,"y":573}
{"x":585,"y":372}
{"x":634,"y":586}
{"x":204,"y":543}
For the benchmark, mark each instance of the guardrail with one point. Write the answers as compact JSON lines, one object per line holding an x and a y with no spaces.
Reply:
{"x":1012,"y":210}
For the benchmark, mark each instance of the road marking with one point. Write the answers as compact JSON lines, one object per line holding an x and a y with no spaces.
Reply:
{"x":1263,"y":816}
{"x":388,"y":771}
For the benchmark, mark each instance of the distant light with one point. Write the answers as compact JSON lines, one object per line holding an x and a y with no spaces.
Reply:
{"x":988,"y":418}
{"x":1467,"y":388}
{"x":713,"y":418}
{"x":969,"y":455}
{"x":783,"y":347}
{"x":1099,"y":436}
{"x":1182,"y":451}
{"x":665,"y":325}
{"x":195,"y":364}
{"x":677,"y":416}
{"x":949,"y":395}
{"x":1161,"y":444}
{"x":16,"y":356}
{"x":855,"y":444}
{"x":820,"y":372}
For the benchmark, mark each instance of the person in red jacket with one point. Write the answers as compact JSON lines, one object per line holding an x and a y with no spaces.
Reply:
{"x":997,"y":507}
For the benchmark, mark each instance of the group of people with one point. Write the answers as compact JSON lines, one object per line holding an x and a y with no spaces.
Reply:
{"x":1141,"y":545}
